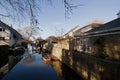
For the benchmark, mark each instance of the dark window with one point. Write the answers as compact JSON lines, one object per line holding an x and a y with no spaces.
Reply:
{"x":0,"y":29}
{"x":2,"y":38}
{"x":3,"y":29}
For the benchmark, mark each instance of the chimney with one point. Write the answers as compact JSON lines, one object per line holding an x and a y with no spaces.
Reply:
{"x":118,"y":14}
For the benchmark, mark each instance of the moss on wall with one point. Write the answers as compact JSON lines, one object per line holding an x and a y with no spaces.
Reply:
{"x":98,"y":45}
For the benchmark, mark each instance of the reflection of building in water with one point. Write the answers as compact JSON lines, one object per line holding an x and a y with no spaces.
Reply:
{"x":3,"y":70}
{"x":57,"y":66}
{"x":30,"y":49}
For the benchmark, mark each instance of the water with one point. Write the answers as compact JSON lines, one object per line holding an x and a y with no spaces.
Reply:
{"x":32,"y":67}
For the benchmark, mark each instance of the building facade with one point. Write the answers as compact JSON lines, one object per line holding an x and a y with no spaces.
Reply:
{"x":81,"y":43}
{"x":8,"y":35}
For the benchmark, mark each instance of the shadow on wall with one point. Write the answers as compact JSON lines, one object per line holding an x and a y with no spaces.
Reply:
{"x":91,"y":68}
{"x":64,"y":71}
{"x":106,"y":47}
{"x":112,"y":46}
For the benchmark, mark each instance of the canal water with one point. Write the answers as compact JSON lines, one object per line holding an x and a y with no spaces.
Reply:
{"x":32,"y":67}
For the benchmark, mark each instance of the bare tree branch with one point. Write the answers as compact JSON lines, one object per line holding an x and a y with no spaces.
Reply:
{"x":31,"y":8}
{"x":4,"y":15}
{"x":69,"y":7}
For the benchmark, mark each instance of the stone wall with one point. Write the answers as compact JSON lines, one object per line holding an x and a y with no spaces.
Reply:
{"x":112,"y":46}
{"x":109,"y":45}
{"x":91,"y":68}
{"x":57,"y":49}
{"x":94,"y":65}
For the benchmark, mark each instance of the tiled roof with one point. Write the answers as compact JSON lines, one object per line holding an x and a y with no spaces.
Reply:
{"x":115,"y":24}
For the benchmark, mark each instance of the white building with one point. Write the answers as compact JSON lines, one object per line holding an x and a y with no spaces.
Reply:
{"x":71,"y":32}
{"x":8,"y":35}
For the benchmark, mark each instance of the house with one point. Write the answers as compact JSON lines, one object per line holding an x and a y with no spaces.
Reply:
{"x":80,"y":42}
{"x":107,"y":39}
{"x":101,"y":40}
{"x":8,"y":35}
{"x":64,"y":43}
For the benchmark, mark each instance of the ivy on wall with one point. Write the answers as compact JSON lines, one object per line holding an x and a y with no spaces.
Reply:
{"x":98,"y":42}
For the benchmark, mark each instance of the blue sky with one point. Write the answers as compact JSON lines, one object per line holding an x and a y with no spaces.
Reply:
{"x":53,"y":16}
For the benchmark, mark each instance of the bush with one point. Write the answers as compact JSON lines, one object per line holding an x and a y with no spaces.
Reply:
{"x":98,"y":42}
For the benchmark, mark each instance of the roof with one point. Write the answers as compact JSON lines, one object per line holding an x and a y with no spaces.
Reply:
{"x":112,"y":25}
{"x":53,"y":39}
{"x":18,"y":35}
{"x":92,"y":25}
{"x":86,"y":29}
{"x":73,"y":29}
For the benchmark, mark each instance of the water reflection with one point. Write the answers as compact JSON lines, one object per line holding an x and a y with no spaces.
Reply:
{"x":64,"y":72}
{"x":28,"y":60}
{"x":33,"y":68}
{"x":12,"y":61}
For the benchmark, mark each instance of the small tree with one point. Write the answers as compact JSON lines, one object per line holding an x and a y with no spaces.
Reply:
{"x":29,"y":32}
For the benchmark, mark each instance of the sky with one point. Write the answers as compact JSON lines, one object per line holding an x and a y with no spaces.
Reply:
{"x":52,"y":18}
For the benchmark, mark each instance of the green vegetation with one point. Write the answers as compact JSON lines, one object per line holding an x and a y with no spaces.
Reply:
{"x":98,"y":42}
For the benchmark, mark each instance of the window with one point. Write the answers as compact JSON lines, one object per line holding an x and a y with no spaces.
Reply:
{"x":2,"y":38}
{"x":2,"y":29}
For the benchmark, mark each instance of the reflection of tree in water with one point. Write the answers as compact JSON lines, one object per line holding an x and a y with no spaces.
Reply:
{"x":28,"y":59}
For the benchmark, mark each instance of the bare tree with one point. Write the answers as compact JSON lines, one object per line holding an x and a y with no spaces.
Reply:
{"x":69,"y":7}
{"x":59,"y":32}
{"x":29,"y":8}
{"x":29,"y":32}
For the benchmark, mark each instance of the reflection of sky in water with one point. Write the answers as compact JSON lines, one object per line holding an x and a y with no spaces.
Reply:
{"x":33,"y":70}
